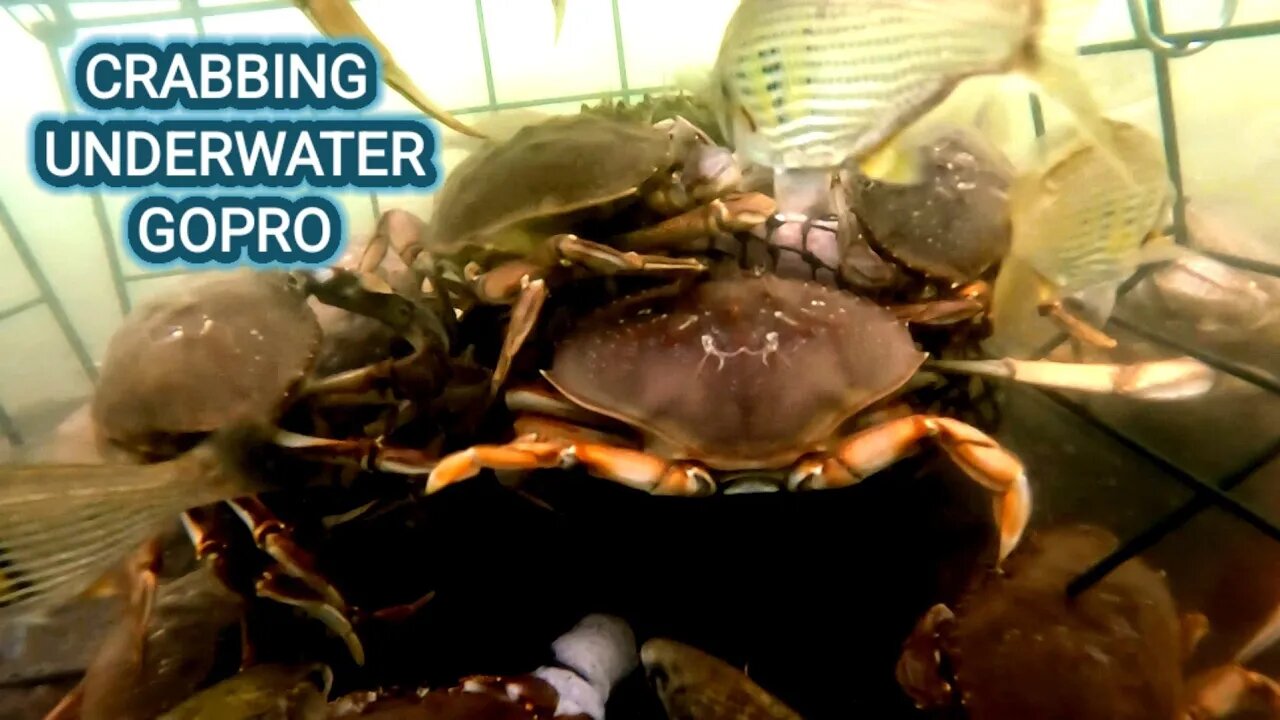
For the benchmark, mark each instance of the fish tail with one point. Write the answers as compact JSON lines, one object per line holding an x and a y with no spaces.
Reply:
{"x":1052,"y":65}
{"x":337,"y":18}
{"x":558,"y":7}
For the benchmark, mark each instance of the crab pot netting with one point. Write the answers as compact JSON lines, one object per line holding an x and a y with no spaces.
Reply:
{"x":1195,"y":486}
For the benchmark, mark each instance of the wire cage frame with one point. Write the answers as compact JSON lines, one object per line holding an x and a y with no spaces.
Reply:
{"x":58,"y":26}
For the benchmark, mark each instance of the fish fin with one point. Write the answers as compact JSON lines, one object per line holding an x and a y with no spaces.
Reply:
{"x":1162,"y":248}
{"x":895,"y":162}
{"x":558,"y":7}
{"x":1053,"y":68}
{"x":337,"y":18}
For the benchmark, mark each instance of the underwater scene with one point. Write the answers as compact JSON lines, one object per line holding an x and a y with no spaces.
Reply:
{"x":640,"y":359}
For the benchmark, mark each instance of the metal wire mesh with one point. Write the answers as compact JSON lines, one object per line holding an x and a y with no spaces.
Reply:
{"x":58,"y":25}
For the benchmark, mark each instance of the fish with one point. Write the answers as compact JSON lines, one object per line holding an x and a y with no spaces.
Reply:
{"x":64,"y":528}
{"x":806,"y":85}
{"x":558,"y":7}
{"x":264,"y":692}
{"x":694,"y":685}
{"x":1079,"y":230}
{"x":338,"y":19}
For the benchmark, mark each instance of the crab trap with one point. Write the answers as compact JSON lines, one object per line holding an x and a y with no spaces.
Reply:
{"x":813,"y":594}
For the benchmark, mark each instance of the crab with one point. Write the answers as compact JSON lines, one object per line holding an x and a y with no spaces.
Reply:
{"x":752,"y":376}
{"x":665,"y":106}
{"x":932,"y":245}
{"x":238,"y":348}
{"x":695,"y":685}
{"x":504,"y":219}
{"x":1017,"y":647}
{"x":590,"y":659}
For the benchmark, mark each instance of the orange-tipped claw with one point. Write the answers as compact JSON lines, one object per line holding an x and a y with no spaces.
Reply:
{"x":520,"y":455}
{"x":633,"y":468}
{"x":982,"y":458}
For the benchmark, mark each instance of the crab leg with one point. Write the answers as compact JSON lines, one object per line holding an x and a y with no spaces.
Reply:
{"x":289,"y":590}
{"x":1174,"y":379}
{"x":366,"y":454}
{"x":633,"y":468}
{"x":524,"y":318}
{"x":738,"y":212}
{"x":867,"y":452}
{"x":317,"y":596}
{"x":1228,"y":690}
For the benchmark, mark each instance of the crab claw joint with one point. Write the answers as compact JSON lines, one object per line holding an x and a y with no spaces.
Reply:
{"x":981,"y":457}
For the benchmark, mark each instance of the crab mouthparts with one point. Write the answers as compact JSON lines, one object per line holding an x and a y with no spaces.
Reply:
{"x":712,"y":350}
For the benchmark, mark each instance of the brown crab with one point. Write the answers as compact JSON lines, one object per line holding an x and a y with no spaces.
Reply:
{"x":238,"y":348}
{"x":1016,"y":646}
{"x":505,"y":218}
{"x":747,"y":375}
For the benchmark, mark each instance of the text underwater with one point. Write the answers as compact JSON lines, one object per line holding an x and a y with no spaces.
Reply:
{"x":231,"y":95}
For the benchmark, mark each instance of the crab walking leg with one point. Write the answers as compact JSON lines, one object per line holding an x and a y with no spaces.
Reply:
{"x":301,"y":584}
{"x":871,"y":450}
{"x":524,"y":318}
{"x":739,"y":212}
{"x":633,"y":468}
{"x":366,"y":454}
{"x":604,"y":259}
{"x":287,"y":590}
{"x":1174,"y":379}
{"x":272,"y":536}
{"x":1232,"y":689}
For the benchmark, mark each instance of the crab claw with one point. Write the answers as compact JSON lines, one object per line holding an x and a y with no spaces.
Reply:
{"x":633,"y":468}
{"x":981,"y":457}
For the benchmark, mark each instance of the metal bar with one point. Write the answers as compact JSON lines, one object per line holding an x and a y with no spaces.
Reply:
{"x":47,"y":293}
{"x":1200,"y":487}
{"x":1264,"y":380}
{"x":95,"y":197}
{"x":157,"y":274}
{"x":583,"y":97}
{"x":1037,"y":115}
{"x":20,"y":308}
{"x":1235,"y":32}
{"x":9,"y":428}
{"x":1161,"y":528}
{"x":622,"y":55}
{"x":484,"y":54}
{"x":1169,"y":126}
{"x":194,"y":11}
{"x":48,"y":678}
{"x":1258,"y":266}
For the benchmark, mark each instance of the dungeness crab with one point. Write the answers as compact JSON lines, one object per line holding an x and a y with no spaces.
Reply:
{"x":755,"y":375}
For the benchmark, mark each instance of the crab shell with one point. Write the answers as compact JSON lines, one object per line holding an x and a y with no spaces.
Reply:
{"x":738,"y":373}
{"x":954,"y":224}
{"x":226,"y":348}
{"x":552,"y":168}
{"x":1020,"y":649}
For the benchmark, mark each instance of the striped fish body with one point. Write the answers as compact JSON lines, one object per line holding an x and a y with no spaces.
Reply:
{"x":812,"y":83}
{"x":1078,"y":223}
